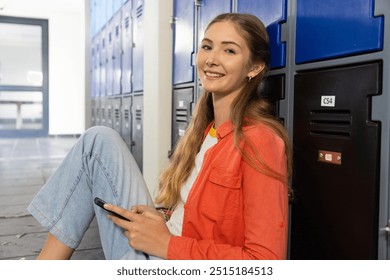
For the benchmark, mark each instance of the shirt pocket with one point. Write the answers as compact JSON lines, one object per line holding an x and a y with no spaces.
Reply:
{"x":223,"y":193}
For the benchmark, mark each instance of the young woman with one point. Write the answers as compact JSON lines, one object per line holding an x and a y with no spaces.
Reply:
{"x":226,"y":187}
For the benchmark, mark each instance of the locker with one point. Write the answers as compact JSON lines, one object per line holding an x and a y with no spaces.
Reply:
{"x":93,"y":17}
{"x":96,"y":108}
{"x":183,"y":99}
{"x":92,"y":69}
{"x":184,"y":39}
{"x":117,"y":54}
{"x":333,"y":28}
{"x":117,"y":4}
{"x":137,"y":129}
{"x":274,"y":91}
{"x":127,"y":47}
{"x":103,"y":63}
{"x":138,"y":46}
{"x":208,"y":10}
{"x":272,"y":14}
{"x":109,"y":112}
{"x":109,"y":57}
{"x":126,"y":121}
{"x":103,"y":112}
{"x":116,"y":118}
{"x":95,"y":78}
{"x":93,"y":112}
{"x":337,"y":152}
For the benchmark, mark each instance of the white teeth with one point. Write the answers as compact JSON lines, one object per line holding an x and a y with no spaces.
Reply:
{"x":213,"y":75}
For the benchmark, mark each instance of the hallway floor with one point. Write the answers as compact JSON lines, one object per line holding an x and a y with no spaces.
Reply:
{"x":25,"y":165}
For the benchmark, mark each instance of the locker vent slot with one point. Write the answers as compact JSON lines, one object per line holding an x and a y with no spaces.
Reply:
{"x":117,"y":114}
{"x":110,"y":37}
{"x":140,"y":10}
{"x":127,"y":22}
{"x":331,"y":123}
{"x":117,"y":30}
{"x":126,"y":114}
{"x":181,"y":115}
{"x":138,"y":114}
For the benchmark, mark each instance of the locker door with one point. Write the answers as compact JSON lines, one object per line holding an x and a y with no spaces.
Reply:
{"x":109,"y":59}
{"x":96,"y":66}
{"x":116,"y":118}
{"x":183,"y":46}
{"x":336,"y":177}
{"x":333,"y":28}
{"x":208,"y":10}
{"x":117,"y":54}
{"x":103,"y":63}
{"x":127,"y":46}
{"x":272,"y":14}
{"x":93,"y":112}
{"x":183,"y":99}
{"x":126,"y":122}
{"x":103,"y":112}
{"x":137,"y":130}
{"x":117,"y":4}
{"x":138,"y":47}
{"x":109,"y":112}
{"x":274,"y":91}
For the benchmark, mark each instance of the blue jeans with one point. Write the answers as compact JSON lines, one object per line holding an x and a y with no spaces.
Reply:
{"x":101,"y":165}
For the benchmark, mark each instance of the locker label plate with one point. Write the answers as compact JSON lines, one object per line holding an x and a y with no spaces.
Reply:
{"x":328,"y":101}
{"x":329,"y":157}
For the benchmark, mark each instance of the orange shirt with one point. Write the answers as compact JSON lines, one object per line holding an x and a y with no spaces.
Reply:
{"x":232,"y":210}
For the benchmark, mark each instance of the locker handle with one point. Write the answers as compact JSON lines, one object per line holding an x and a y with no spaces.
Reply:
{"x":387,"y":228}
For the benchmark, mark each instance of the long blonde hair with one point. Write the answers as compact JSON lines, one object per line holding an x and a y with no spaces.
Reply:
{"x":249,"y":106}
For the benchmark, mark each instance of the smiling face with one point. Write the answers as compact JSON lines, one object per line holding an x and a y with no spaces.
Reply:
{"x":224,"y":60}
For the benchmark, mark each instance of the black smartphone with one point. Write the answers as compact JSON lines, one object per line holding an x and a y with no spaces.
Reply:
{"x":100,"y":202}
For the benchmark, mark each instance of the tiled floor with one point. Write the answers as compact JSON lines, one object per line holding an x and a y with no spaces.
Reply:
{"x":25,"y":165}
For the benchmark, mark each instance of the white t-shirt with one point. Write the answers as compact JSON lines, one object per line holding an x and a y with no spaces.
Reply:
{"x":175,"y":223}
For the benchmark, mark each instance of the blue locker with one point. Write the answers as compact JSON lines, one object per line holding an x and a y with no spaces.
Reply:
{"x":93,"y":17}
{"x":138,"y":46}
{"x":101,"y":14}
{"x":96,"y":66}
{"x":117,"y":4}
{"x":103,"y":63}
{"x":109,"y":58}
{"x":183,"y":48}
{"x":127,"y":47}
{"x":333,"y":28}
{"x":117,"y":54}
{"x":109,"y":9}
{"x":210,"y":9}
{"x":273,"y":14}
{"x":126,"y":120}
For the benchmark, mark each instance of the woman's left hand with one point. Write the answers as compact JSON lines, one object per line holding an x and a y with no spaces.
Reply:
{"x":146,"y":231}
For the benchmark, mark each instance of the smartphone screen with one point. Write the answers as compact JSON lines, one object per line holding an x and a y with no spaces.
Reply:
{"x":100,"y":202}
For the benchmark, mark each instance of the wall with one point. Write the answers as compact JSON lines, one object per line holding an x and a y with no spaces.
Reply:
{"x":66,"y":58}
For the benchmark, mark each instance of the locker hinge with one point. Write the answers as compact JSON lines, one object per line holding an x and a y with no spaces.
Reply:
{"x":387,"y":228}
{"x":198,"y":2}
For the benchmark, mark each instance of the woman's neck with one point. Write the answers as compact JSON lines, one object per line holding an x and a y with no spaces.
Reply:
{"x":221,"y":105}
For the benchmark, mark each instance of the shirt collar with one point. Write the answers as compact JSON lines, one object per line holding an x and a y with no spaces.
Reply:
{"x":223,"y":130}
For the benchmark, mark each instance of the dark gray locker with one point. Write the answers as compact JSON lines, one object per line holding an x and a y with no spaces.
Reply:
{"x":183,"y":99}
{"x":103,"y":112}
{"x":336,"y":158}
{"x":126,"y":122}
{"x":137,"y":129}
{"x":109,"y":112}
{"x":274,"y":91}
{"x":127,"y":47}
{"x":116,"y":118}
